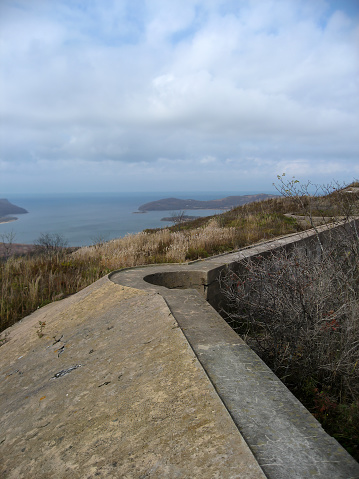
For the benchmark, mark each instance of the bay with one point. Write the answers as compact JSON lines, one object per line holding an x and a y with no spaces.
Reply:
{"x":86,"y":218}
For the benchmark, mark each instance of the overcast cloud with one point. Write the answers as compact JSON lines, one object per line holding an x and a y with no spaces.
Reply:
{"x":101,"y":95}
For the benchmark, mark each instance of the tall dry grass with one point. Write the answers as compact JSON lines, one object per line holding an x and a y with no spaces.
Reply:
{"x":28,"y":283}
{"x":169,"y":246}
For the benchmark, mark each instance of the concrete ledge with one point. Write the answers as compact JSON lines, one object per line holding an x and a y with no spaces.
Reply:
{"x":285,"y":438}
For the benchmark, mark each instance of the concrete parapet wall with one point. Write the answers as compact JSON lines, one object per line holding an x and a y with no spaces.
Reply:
{"x":285,"y":438}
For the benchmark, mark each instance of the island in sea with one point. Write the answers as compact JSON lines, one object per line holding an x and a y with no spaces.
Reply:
{"x":173,"y":204}
{"x":7,"y":209}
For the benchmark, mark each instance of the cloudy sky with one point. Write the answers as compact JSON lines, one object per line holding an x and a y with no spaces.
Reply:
{"x":154,"y":95}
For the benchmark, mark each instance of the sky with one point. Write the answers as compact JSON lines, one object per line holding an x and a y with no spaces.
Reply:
{"x":179,"y":95}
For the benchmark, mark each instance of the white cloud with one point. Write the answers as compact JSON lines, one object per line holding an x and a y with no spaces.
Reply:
{"x":213,"y":84}
{"x":208,"y":160}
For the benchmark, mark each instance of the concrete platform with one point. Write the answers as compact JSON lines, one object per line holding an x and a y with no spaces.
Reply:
{"x":112,"y":390}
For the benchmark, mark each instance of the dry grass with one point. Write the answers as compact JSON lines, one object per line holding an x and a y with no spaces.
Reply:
{"x":29,"y":282}
{"x":220,"y":234}
{"x":163,"y":246}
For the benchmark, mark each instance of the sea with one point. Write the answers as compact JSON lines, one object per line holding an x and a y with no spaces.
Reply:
{"x":83,"y":219}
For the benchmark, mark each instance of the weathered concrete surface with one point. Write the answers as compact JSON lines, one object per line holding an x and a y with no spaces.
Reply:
{"x":112,"y":389}
{"x":285,"y":438}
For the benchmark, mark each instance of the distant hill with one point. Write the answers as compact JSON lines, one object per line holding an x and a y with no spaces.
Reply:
{"x":7,"y":208}
{"x":172,"y":204}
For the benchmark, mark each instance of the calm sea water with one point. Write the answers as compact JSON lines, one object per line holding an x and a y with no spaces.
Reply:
{"x":85,"y":218}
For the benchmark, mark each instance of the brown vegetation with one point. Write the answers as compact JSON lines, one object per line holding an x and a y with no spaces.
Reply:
{"x":300,"y":314}
{"x":29,"y":282}
{"x":196,"y":239}
{"x":299,"y":311}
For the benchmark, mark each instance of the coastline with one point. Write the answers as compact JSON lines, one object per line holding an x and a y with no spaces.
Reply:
{"x":82,"y":217}
{"x":7,"y":220}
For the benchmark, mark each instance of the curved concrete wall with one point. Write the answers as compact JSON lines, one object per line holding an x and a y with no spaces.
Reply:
{"x":285,"y":438}
{"x":177,"y":279}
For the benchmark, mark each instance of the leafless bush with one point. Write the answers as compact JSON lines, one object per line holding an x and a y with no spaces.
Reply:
{"x":50,"y":243}
{"x":6,"y":244}
{"x":99,"y":240}
{"x":321,"y":204}
{"x":301,"y":313}
{"x":177,"y":218}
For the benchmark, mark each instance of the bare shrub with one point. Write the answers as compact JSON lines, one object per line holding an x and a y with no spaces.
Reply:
{"x":300,"y":313}
{"x":51,"y":243}
{"x":6,"y":244}
{"x":321,"y":204}
{"x":299,"y":310}
{"x":99,"y":240}
{"x":178,"y":217}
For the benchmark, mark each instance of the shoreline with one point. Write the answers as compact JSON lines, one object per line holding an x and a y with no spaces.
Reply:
{"x":10,"y":220}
